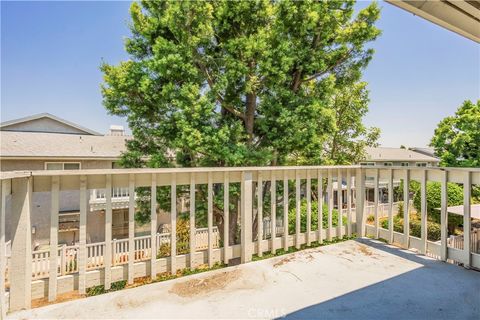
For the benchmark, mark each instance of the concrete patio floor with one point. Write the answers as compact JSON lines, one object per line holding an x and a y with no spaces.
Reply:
{"x":362,"y":279}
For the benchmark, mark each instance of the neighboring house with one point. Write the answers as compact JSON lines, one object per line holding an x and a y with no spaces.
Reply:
{"x":46,"y":142}
{"x":383,"y":156}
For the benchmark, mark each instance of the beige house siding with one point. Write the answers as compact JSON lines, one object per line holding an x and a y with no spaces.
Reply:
{"x":20,"y":165}
{"x":43,"y":125}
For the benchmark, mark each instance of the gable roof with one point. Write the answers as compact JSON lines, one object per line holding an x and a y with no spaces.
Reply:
{"x":396,"y":154}
{"x":44,"y":145}
{"x":45,"y":122}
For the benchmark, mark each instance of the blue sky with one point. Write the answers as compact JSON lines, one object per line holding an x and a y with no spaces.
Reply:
{"x":51,"y":52}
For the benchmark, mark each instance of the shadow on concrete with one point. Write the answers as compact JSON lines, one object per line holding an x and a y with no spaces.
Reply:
{"x":436,"y":290}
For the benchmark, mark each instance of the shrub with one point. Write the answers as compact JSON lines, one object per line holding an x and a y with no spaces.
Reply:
{"x":455,"y":197}
{"x":433,"y":228}
{"x":183,"y":240}
{"x":303,"y":217}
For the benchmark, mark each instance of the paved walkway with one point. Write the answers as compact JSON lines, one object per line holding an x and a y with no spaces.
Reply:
{"x":361,"y":279}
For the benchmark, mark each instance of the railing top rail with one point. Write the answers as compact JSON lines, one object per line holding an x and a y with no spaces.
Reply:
{"x":180,"y":170}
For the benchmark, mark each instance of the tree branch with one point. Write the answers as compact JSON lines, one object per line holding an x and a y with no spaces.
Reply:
{"x":339,"y":62}
{"x":220,"y":99}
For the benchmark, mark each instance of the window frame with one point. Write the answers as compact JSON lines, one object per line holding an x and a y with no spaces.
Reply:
{"x":367,"y":163}
{"x":63,"y":164}
{"x":421,"y":164}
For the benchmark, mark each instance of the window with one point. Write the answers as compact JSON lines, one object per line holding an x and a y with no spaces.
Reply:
{"x":405,"y":164}
{"x":388,"y":164}
{"x":421,"y":164}
{"x":62,"y":165}
{"x":367,"y":163}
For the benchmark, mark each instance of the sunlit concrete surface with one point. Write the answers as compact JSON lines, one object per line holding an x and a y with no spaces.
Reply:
{"x":361,"y":279}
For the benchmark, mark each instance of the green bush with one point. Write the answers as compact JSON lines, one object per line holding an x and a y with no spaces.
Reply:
{"x":183,"y":240}
{"x":455,"y":197}
{"x":303,"y":217}
{"x":433,"y":228}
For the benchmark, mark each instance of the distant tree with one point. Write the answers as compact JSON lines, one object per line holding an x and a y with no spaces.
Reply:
{"x":457,"y":138}
{"x":236,"y":83}
{"x":402,"y":147}
{"x":350,"y":137}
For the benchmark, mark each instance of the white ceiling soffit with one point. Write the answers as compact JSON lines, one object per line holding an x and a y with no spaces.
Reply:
{"x":460,"y":16}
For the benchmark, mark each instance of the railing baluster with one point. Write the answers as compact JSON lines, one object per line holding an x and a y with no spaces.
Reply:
{"x":320,"y":206}
{"x":107,"y":253}
{"x":339,"y":203}
{"x":390,"y":207}
{"x":444,"y":217}
{"x":82,"y":251}
{"x":3,"y":200}
{"x":467,"y":222}
{"x":285,"y":211}
{"x":192,"y":222}
{"x":153,"y":226}
{"x":131,"y":227}
{"x":246,"y":216}
{"x":210,"y":219}
{"x":360,"y":202}
{"x":260,"y":213}
{"x":375,"y":201}
{"x":349,"y":203}
{"x":406,"y":208}
{"x":52,"y":281}
{"x":226,"y":217}
{"x":308,"y":194}
{"x":173,"y":223}
{"x":273,"y":213}
{"x":330,"y":204}
{"x":423,"y":212}
{"x":297,"y":209}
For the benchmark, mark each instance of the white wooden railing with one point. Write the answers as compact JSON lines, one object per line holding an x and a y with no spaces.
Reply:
{"x":68,"y":255}
{"x":86,"y":265}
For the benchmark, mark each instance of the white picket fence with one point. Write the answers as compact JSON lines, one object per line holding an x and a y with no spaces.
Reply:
{"x":457,"y":241}
{"x":68,"y":263}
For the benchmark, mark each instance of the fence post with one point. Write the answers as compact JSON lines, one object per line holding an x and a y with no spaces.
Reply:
{"x":246,"y":216}
{"x":360,"y":201}
{"x":21,"y":260}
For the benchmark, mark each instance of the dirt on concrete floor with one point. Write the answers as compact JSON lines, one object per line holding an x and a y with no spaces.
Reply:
{"x":73,"y":295}
{"x":195,"y":287}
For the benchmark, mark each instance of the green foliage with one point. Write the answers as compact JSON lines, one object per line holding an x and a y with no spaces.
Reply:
{"x":303,"y":217}
{"x":236,"y":83}
{"x":115,"y":286}
{"x":456,"y":138}
{"x":433,"y":228}
{"x":434,"y":194}
{"x":183,"y":240}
